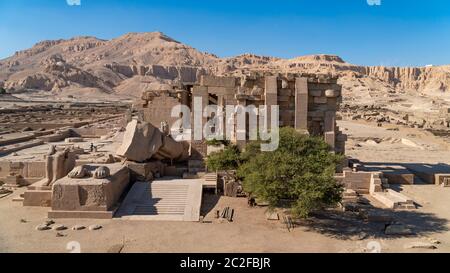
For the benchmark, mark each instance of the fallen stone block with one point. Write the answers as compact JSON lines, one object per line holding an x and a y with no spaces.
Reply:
{"x":116,"y":249}
{"x":272,"y":216}
{"x":74,"y":140}
{"x":398,"y":229}
{"x":411,"y":143}
{"x":420,"y":245}
{"x":59,"y":227}
{"x":95,"y":227}
{"x":78,"y":227}
{"x":43,"y":227}
{"x":379,"y":217}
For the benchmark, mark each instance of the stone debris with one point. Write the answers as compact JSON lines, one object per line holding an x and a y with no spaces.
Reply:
{"x":59,"y":227}
{"x":350,"y":206}
{"x":95,"y":227}
{"x":74,"y":140}
{"x":398,"y":229}
{"x":272,"y":216}
{"x":49,"y":222}
{"x":379,"y":217}
{"x":78,"y":227}
{"x":43,"y":227}
{"x":227,"y":213}
{"x":116,"y":248}
{"x":411,"y":143}
{"x":5,"y":192}
{"x":287,"y":220}
{"x":420,"y":245}
{"x":434,"y":241}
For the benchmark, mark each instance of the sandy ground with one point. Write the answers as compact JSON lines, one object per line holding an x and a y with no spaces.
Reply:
{"x":370,"y":143}
{"x":250,"y":231}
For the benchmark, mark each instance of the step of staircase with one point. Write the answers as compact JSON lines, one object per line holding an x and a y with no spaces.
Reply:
{"x":395,"y":200}
{"x":210,"y":181}
{"x":166,"y":199}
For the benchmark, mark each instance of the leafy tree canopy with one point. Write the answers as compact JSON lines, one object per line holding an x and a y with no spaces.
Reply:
{"x":300,"y":173}
{"x":228,"y":159}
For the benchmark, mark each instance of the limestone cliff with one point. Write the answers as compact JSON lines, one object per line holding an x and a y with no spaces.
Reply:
{"x":139,"y":59}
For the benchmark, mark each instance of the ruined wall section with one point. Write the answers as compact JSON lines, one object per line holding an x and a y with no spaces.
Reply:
{"x":307,"y":102}
{"x":156,"y":107}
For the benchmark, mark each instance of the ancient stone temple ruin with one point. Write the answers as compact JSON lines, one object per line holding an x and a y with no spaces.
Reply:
{"x":138,"y":169}
{"x":306,"y":102}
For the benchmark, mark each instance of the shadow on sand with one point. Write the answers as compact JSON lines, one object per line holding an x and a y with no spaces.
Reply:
{"x":349,"y":225}
{"x":209,"y":202}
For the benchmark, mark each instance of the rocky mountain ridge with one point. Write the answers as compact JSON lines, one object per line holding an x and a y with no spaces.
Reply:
{"x":136,"y":62}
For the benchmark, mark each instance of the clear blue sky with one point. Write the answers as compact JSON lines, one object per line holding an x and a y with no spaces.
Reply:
{"x":399,"y":32}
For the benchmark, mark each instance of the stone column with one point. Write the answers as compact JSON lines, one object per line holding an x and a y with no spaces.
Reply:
{"x":330,"y":121}
{"x":301,"y":104}
{"x":198,"y":143}
{"x":270,"y":96}
{"x":241,"y":133}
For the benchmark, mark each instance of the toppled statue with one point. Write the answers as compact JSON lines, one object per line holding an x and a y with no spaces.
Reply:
{"x":78,"y":172}
{"x":101,"y":172}
{"x":83,"y":171}
{"x":58,"y":164}
{"x":143,"y":141}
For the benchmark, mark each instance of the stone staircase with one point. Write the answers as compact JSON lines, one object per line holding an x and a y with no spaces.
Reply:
{"x":211,"y":181}
{"x":166,"y":199}
{"x":379,"y":189}
{"x":394,"y":200}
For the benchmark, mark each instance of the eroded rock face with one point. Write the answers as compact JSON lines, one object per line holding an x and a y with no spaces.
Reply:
{"x":127,"y":64}
{"x":53,"y":74}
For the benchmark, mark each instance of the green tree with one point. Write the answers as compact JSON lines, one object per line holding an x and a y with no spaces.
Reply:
{"x":300,"y":172}
{"x":2,"y":91}
{"x":226,"y":160}
{"x":215,"y":142}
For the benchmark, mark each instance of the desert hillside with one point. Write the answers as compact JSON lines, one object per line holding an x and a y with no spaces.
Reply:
{"x":127,"y":65}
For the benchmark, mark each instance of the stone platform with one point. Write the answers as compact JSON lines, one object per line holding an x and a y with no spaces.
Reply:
{"x":89,"y":197}
{"x":166,"y":199}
